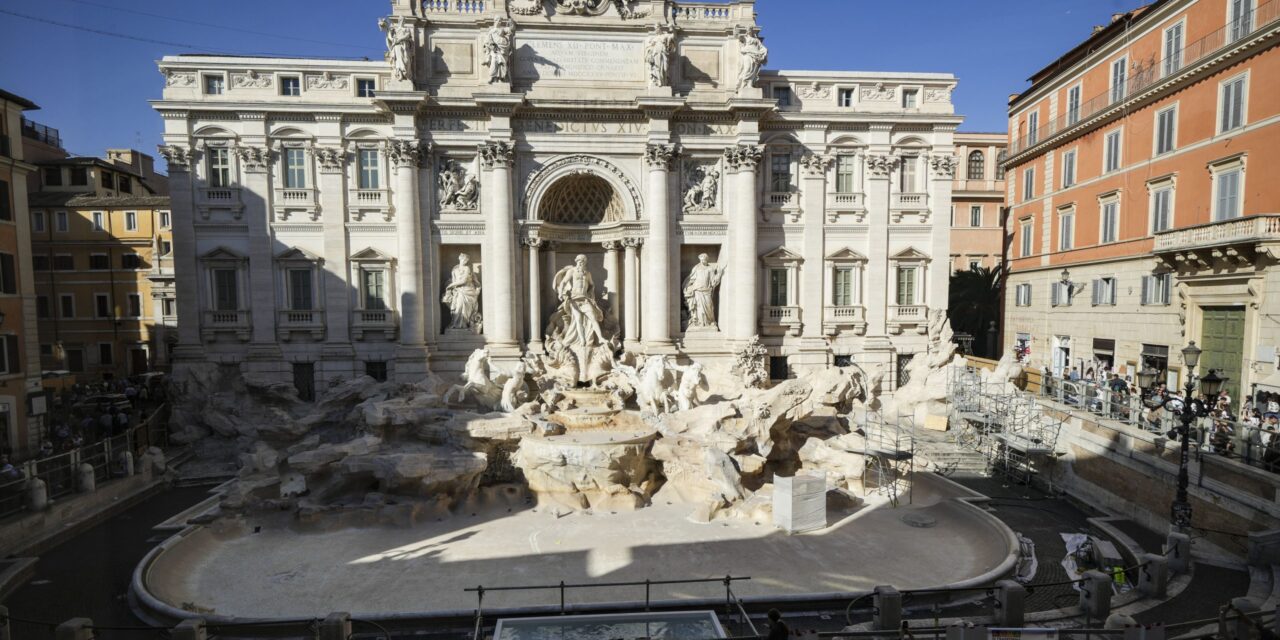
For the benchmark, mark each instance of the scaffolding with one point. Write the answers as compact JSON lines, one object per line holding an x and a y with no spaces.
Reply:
{"x":1008,"y":427}
{"x":889,"y":450}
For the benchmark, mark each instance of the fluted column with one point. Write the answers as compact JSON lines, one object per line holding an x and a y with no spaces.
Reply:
{"x":499,"y":248}
{"x":631,"y":291}
{"x":407,"y":156}
{"x":657,"y":305}
{"x":532,"y":245}
{"x":744,"y":269}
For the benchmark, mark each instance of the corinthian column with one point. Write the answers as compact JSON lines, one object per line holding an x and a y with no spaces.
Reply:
{"x":631,"y":290}
{"x":499,"y":248}
{"x":657,"y":305}
{"x":407,"y":156}
{"x":186,"y":266}
{"x":535,"y":293}
{"x":740,"y":314}
{"x":611,"y":276}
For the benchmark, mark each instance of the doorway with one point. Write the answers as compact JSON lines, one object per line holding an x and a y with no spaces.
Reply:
{"x":1222,"y":340}
{"x":137,"y":361}
{"x":304,"y":380}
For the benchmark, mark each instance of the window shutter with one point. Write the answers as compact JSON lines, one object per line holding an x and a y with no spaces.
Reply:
{"x":1053,"y":294}
{"x":1146,"y":289}
{"x":1165,"y":281}
{"x":11,"y":352}
{"x":1097,"y":292}
{"x":1111,"y":297}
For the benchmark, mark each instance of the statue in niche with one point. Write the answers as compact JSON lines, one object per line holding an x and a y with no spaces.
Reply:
{"x":399,"y":48}
{"x":462,"y":294}
{"x":752,"y":57}
{"x":699,"y":292}
{"x":576,"y":342}
{"x":496,"y":48}
{"x":658,"y":48}
{"x":703,"y":189}
{"x":457,"y":189}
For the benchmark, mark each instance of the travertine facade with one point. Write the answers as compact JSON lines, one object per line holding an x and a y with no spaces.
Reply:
{"x":322,"y":207}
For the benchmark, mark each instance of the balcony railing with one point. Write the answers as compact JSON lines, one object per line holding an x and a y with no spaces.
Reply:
{"x":369,"y":198}
{"x":780,"y":198}
{"x":704,"y":12}
{"x":844,"y":317}
{"x":41,"y":133}
{"x":310,"y":321}
{"x":910,"y":200}
{"x":908,"y":313}
{"x":846,"y":201}
{"x":979,"y":185}
{"x":776,"y":320}
{"x":373,"y":320}
{"x":1251,"y":229}
{"x":1145,"y":77}
{"x":218,"y":321}
{"x":465,"y":7}
{"x":295,"y":196}
{"x":219,"y":197}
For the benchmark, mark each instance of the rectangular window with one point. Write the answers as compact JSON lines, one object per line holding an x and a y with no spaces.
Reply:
{"x":1166,"y":127}
{"x":376,"y":369}
{"x":42,"y":306}
{"x":906,"y":286}
{"x":368,"y":160}
{"x":1110,"y":222}
{"x":135,"y":305}
{"x":375,"y":289}
{"x":846,"y":172}
{"x":1232,"y":105}
{"x":365,"y":87}
{"x":6,"y":208}
{"x":125,"y":184}
{"x":1161,"y":209}
{"x":1022,"y":295}
{"x":1227,"y":195}
{"x":165,"y":220}
{"x":290,"y":86}
{"x":53,"y":176}
{"x":8,"y":274}
{"x":214,"y":85}
{"x":169,"y":307}
{"x":108,"y":181}
{"x":219,"y":167}
{"x":1119,"y":79}
{"x":99,"y":262}
{"x":907,"y":176}
{"x":1033,"y":127}
{"x":782,"y":95}
{"x":101,"y":305}
{"x":64,"y":262}
{"x":130,"y":261}
{"x":1241,"y":18}
{"x":1069,"y":168}
{"x":1104,"y":292}
{"x":75,"y":360}
{"x":780,"y":172}
{"x":1028,"y":183}
{"x":12,"y":360}
{"x":99,"y":221}
{"x":1111,"y":159}
{"x":39,"y":263}
{"x":79,"y":176}
{"x":1172,"y":49}
{"x":975,"y":264}
{"x":778,"y":287}
{"x":846,"y":97}
{"x":1156,"y":288}
{"x":131,"y":221}
{"x":67,"y":305}
{"x":1073,"y":105}
{"x":300,"y":297}
{"x":226,"y":290}
{"x":166,"y":247}
{"x":842,"y":287}
{"x":1025,"y":233}
{"x":909,"y":100}
{"x":37,"y":221}
{"x":975,"y":215}
{"x":295,"y":168}
{"x":60,"y":222}
{"x":1066,"y":230}
{"x":105,"y":353}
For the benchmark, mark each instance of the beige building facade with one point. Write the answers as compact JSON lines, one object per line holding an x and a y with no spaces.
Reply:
{"x":977,"y":201}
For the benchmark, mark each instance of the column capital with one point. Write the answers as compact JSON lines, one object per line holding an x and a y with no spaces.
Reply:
{"x":533,"y":243}
{"x":659,"y":156}
{"x":611,"y":245}
{"x":254,"y":159}
{"x":743,"y":156}
{"x":179,"y":158}
{"x":943,"y":166}
{"x":881,"y":165}
{"x":330,"y":159}
{"x":632,"y":243}
{"x":497,"y":153}
{"x":816,"y":165}
{"x":407,"y":153}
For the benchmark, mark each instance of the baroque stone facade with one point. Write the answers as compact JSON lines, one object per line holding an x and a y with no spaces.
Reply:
{"x":321,"y":210}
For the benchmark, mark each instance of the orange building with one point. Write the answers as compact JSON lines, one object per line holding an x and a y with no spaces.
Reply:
{"x":1142,"y":211}
{"x":977,"y":197}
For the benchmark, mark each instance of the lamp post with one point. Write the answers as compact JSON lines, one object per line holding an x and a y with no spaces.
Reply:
{"x":1180,"y":510}
{"x":1146,"y":381}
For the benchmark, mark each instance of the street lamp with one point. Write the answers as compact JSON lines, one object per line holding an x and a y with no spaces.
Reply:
{"x":1180,"y":510}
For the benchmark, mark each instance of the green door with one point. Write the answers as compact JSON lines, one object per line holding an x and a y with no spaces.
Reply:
{"x":1223,"y":344}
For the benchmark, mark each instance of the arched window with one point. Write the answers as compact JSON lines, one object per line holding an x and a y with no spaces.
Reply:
{"x":977,"y":166}
{"x":1000,"y":158}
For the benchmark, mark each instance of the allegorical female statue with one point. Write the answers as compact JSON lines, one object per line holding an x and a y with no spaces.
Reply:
{"x":496,"y":48}
{"x":462,"y":294}
{"x":754,"y":55}
{"x":699,"y":292}
{"x":400,"y":49}
{"x":658,"y":48}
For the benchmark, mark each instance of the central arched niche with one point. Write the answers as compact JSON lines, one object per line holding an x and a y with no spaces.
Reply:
{"x":581,"y":199}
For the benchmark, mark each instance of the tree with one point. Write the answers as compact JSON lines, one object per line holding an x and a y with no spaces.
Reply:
{"x":973,"y":302}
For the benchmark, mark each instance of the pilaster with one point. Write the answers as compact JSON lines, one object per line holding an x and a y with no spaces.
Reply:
{"x":186,"y":266}
{"x":332,"y":163}
{"x":813,"y":190}
{"x":256,"y":160}
{"x":880,"y":167}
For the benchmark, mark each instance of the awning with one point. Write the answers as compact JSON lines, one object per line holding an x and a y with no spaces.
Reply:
{"x":1104,"y":345}
{"x":1269,"y":383}
{"x":1155,"y":351}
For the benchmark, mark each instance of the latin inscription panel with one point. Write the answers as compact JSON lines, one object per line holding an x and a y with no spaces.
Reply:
{"x":539,"y":59}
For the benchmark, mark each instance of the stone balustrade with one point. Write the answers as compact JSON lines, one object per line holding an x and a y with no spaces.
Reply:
{"x":373,"y":320}
{"x":1238,"y":230}
{"x":219,"y":321}
{"x":289,"y":321}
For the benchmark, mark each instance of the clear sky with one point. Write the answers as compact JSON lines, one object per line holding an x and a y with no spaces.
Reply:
{"x":94,"y":87}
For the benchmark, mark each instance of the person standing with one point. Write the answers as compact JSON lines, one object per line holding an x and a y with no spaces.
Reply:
{"x":778,"y":630}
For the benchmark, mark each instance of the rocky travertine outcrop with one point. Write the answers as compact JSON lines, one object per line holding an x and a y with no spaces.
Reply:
{"x":605,"y":476}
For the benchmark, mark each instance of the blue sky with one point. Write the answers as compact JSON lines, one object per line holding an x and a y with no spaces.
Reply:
{"x":94,"y":88}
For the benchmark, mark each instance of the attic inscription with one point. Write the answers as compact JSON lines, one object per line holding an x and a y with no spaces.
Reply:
{"x":579,"y":60}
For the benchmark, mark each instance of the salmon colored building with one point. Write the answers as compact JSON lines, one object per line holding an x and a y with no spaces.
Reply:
{"x":977,"y":197}
{"x":1145,"y":209}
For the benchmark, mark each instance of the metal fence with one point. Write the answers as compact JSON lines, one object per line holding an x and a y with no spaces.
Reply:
{"x":59,"y":472}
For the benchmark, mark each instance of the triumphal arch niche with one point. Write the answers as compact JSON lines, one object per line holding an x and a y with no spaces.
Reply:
{"x":711,"y":200}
